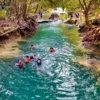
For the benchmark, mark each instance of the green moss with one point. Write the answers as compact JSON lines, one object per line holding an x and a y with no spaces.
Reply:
{"x":74,"y":39}
{"x":2,"y":14}
{"x":63,"y":16}
{"x":46,"y":16}
{"x":72,"y":33}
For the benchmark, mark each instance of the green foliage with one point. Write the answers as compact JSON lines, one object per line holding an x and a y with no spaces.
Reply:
{"x":63,"y":16}
{"x":31,"y":6}
{"x":46,"y":16}
{"x":5,"y":1}
{"x":73,"y":35}
{"x":2,"y":14}
{"x":72,"y":5}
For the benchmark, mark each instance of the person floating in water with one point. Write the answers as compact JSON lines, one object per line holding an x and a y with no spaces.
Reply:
{"x":38,"y":62}
{"x":32,"y":47}
{"x":27,"y":59}
{"x":51,"y":50}
{"x":31,"y":58}
{"x":20,"y":64}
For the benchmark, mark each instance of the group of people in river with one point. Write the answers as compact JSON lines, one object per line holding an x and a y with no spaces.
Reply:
{"x":28,"y":59}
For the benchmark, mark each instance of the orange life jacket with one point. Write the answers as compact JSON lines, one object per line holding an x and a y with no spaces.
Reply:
{"x":32,"y":47}
{"x":27,"y":60}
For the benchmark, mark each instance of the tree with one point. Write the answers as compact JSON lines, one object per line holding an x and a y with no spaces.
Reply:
{"x":86,"y":6}
{"x":97,"y":7}
{"x":21,"y":8}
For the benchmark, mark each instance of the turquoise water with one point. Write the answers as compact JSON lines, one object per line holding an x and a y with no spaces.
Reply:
{"x":57,"y":79}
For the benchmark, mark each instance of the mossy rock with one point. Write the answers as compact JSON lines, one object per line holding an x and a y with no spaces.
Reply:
{"x":83,"y":28}
{"x":96,"y":22}
{"x":70,"y":22}
{"x":55,"y":15}
{"x":22,"y":42}
{"x":15,"y":46}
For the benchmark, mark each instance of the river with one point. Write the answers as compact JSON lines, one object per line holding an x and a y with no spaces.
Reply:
{"x":59,"y":78}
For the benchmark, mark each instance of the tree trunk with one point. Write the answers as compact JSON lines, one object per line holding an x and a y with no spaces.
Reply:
{"x":87,"y":19}
{"x":63,"y":8}
{"x":24,"y":9}
{"x":37,"y":6}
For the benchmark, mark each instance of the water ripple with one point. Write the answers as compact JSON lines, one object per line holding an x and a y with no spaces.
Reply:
{"x":57,"y":79}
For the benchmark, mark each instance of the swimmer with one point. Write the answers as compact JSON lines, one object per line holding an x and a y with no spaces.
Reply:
{"x":20,"y":64}
{"x":39,"y":62}
{"x":31,"y":58}
{"x":51,"y":50}
{"x":27,"y":59}
{"x":32,"y":47}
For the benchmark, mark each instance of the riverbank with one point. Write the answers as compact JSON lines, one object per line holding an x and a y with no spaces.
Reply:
{"x":9,"y":47}
{"x":93,"y":65}
{"x":90,"y":38}
{"x":12,"y":32}
{"x":87,"y":56}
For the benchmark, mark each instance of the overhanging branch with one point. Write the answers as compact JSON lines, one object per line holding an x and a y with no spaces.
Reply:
{"x":81,"y":5}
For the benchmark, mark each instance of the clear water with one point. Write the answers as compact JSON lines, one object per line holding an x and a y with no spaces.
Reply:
{"x":57,"y":79}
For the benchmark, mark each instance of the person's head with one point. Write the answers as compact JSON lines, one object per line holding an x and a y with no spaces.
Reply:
{"x":19,"y":61}
{"x":31,"y":45}
{"x":51,"y":48}
{"x":31,"y":57}
{"x":27,"y":56}
{"x":39,"y":60}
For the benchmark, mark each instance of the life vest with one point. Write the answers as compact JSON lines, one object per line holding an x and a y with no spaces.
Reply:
{"x":51,"y":50}
{"x":27,"y":60}
{"x":38,"y":63}
{"x":32,"y":47}
{"x":20,"y":64}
